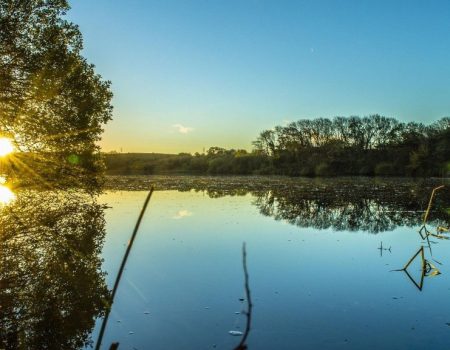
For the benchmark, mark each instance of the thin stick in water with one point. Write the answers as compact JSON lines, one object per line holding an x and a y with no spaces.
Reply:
{"x":248,"y":314}
{"x":122,"y":267}
{"x":425,"y":217}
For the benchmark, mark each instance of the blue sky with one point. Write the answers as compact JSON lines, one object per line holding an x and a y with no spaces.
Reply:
{"x":193,"y":74}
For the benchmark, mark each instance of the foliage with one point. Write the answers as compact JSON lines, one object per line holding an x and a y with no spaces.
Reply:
{"x":366,"y":146}
{"x":52,"y":103}
{"x":358,"y":146}
{"x":216,"y":161}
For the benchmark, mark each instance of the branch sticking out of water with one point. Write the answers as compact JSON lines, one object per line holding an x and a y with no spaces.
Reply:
{"x":425,"y":219}
{"x":122,"y":267}
{"x":248,"y":313}
{"x":430,"y":203}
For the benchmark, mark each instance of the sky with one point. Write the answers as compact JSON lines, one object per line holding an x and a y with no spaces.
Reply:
{"x":187,"y":75}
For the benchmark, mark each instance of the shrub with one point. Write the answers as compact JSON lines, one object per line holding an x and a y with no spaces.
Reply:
{"x":323,"y":169}
{"x":385,"y":168}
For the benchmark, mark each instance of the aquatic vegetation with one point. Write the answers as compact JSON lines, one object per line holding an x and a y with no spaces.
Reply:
{"x":427,"y":268}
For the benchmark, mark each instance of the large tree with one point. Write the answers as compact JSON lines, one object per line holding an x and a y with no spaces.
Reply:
{"x":52,"y":103}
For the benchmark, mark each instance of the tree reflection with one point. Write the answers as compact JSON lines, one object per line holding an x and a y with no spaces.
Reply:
{"x":344,"y":204}
{"x":356,"y":211}
{"x":51,"y":285}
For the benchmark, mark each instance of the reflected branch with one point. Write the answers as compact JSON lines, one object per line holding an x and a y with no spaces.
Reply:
{"x":420,"y":251}
{"x":427,"y":268}
{"x":418,"y":285}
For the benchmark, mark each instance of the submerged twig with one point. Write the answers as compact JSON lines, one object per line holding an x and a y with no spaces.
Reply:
{"x":122,"y":267}
{"x":248,"y":313}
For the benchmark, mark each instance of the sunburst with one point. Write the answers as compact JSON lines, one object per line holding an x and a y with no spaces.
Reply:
{"x":6,"y":196}
{"x":6,"y":146}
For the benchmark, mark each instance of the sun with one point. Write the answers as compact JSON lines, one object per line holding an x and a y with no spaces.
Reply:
{"x":6,"y":195}
{"x":6,"y":146}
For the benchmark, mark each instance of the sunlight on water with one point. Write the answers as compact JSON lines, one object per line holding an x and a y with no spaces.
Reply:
{"x":6,"y":195}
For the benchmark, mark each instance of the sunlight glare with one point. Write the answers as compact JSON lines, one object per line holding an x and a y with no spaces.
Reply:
{"x":6,"y":195}
{"x":6,"y":146}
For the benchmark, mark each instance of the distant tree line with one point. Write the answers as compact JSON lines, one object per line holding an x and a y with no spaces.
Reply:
{"x":216,"y":161}
{"x":373,"y":145}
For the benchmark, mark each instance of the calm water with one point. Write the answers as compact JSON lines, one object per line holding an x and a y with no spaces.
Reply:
{"x":317,"y":276}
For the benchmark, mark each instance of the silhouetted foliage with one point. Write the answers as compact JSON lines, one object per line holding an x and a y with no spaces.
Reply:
{"x":366,"y":146}
{"x":216,"y":161}
{"x":373,"y":145}
{"x":52,"y":103}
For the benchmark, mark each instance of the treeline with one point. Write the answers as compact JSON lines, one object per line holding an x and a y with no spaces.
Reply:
{"x":215,"y":161}
{"x":373,"y":145}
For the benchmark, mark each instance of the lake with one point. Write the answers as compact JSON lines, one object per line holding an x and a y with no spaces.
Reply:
{"x":322,"y":259}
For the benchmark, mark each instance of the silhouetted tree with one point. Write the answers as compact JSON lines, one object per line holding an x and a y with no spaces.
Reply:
{"x":52,"y":103}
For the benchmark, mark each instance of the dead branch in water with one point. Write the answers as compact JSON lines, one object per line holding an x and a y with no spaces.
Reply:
{"x":122,"y":267}
{"x":425,"y":217}
{"x":248,"y":313}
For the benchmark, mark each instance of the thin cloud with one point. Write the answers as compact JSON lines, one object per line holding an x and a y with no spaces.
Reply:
{"x":182,"y":214}
{"x":182,"y":129}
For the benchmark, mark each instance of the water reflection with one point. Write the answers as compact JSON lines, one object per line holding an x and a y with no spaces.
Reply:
{"x":332,"y":286}
{"x":51,"y":285}
{"x":426,"y":266}
{"x":427,"y":269}
{"x":356,"y":214}
{"x":342,"y":204}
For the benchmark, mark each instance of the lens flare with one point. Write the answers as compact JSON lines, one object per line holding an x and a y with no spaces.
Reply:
{"x":6,"y":146}
{"x":6,"y":195}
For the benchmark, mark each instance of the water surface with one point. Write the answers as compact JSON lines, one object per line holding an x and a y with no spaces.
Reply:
{"x":317,"y":276}
{"x":320,"y":256}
